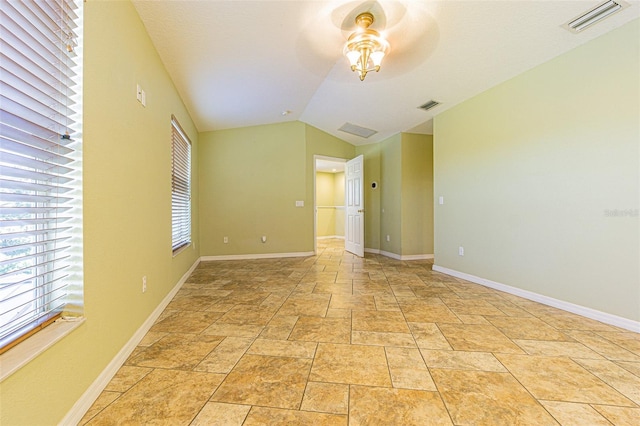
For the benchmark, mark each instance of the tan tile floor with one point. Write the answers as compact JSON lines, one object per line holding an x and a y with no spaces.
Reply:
{"x":335,"y":339}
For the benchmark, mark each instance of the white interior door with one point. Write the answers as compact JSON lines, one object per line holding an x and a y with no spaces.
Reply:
{"x":354,"y":205}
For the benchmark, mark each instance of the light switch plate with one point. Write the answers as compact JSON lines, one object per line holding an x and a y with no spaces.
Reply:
{"x":141,"y":95}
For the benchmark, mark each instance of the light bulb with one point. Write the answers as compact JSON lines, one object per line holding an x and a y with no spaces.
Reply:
{"x":377,"y":57}
{"x":353,"y":57}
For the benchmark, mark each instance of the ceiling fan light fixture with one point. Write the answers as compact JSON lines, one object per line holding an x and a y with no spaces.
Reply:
{"x":365,"y":48}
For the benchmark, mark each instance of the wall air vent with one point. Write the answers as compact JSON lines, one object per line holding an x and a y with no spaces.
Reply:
{"x":428,"y":105}
{"x":594,"y":15}
{"x":363,"y":132}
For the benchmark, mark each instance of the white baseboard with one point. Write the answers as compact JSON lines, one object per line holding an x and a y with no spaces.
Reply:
{"x":398,"y":256}
{"x":330,"y":237}
{"x":92,"y":393}
{"x":391,"y":255}
{"x":604,"y":317}
{"x":256,"y":256}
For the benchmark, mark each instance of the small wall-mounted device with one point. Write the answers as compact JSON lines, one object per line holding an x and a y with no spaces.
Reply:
{"x":141,"y":95}
{"x":374,"y":184}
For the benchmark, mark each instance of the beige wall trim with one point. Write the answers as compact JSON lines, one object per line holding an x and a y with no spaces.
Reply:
{"x":398,"y":256}
{"x":604,"y":317}
{"x":416,"y":257}
{"x":92,"y":393}
{"x":256,"y":256}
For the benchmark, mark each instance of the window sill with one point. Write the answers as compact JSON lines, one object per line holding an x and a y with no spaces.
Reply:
{"x":16,"y":358}
{"x":183,"y":248}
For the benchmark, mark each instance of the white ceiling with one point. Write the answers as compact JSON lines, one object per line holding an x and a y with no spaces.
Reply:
{"x":242,"y":63}
{"x":329,"y":166}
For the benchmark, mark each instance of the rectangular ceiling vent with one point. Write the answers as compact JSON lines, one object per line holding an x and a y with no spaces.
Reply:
{"x":363,"y":132}
{"x":594,"y":15}
{"x":431,"y":104}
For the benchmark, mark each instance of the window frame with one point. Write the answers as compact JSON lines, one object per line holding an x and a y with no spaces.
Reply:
{"x":42,"y":160}
{"x":181,"y":171}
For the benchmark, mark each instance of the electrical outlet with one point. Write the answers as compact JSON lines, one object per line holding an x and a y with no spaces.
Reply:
{"x":144,"y":284}
{"x":225,"y":240}
{"x":388,"y":238}
{"x":263,"y":239}
{"x":460,"y":251}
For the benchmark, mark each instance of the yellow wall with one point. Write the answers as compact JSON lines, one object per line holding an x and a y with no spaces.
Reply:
{"x":338,"y":200}
{"x":417,"y":194}
{"x":391,"y":194}
{"x":324,"y":189}
{"x":127,"y":214}
{"x":326,"y":214}
{"x":330,"y":194}
{"x":406,"y":200}
{"x":530,"y":169}
{"x":250,"y":180}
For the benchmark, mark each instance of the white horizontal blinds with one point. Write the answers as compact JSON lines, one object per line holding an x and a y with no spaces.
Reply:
{"x":39,"y":167}
{"x":180,"y":187}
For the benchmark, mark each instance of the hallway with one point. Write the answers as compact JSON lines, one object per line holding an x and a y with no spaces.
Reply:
{"x":335,"y":339}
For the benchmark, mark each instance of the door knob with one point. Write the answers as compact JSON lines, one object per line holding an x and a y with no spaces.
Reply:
{"x":361,"y":211}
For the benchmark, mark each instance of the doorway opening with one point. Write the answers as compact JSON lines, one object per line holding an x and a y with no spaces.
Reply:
{"x":329,"y":199}
{"x":339,"y":210}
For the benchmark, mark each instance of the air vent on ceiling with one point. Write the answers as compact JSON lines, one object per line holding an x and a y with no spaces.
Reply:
{"x":428,"y":105}
{"x":363,"y":132}
{"x":594,"y":15}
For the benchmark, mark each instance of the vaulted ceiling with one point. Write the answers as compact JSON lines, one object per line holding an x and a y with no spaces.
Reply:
{"x":243,"y":63}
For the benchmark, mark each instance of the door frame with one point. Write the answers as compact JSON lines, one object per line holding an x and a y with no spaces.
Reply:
{"x":317,"y":157}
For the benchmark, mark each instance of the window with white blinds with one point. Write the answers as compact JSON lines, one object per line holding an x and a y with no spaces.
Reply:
{"x":40,"y":165}
{"x":180,"y":187}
